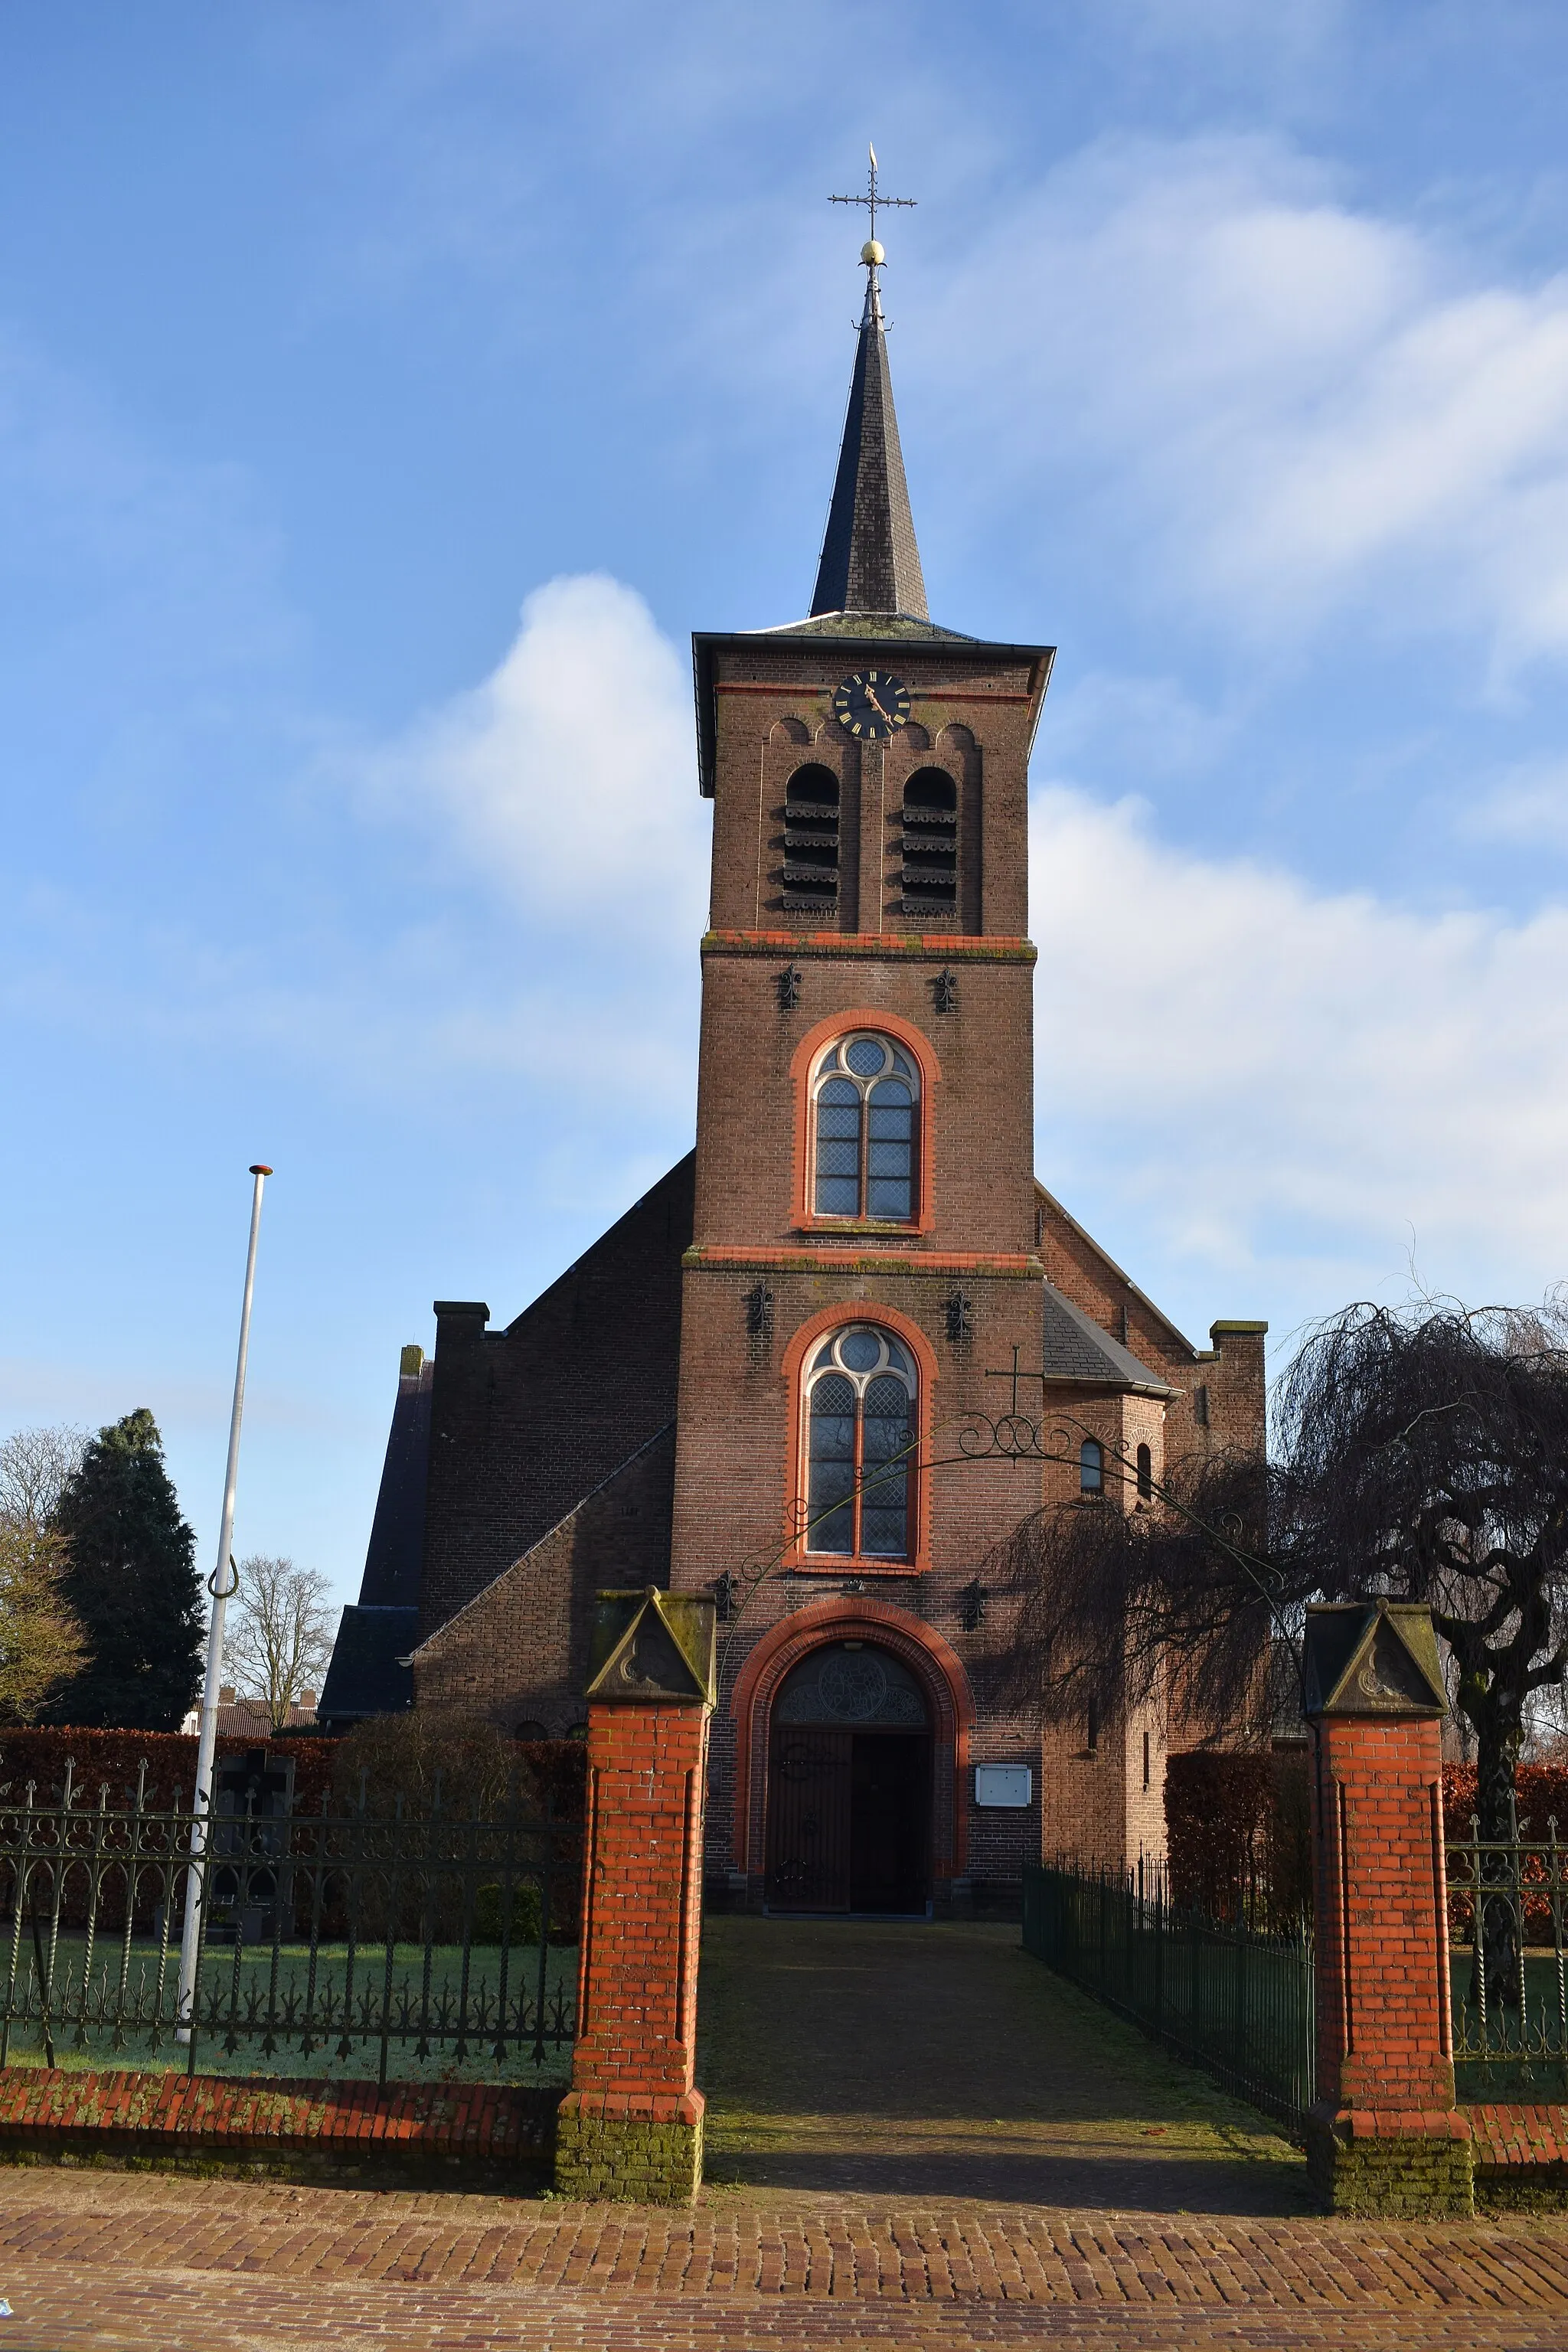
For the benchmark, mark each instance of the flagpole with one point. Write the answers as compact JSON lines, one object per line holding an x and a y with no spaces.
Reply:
{"x":222,"y":1585}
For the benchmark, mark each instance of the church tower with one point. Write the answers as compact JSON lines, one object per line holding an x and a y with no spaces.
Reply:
{"x":813,"y":1318}
{"x":864,"y":1225}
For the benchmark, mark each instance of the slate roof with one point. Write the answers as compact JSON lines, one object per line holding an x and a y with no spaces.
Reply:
{"x":394,"y":1558}
{"x":870,"y":562}
{"x":1077,"y":1350}
{"x":868,"y":625}
{"x":366,"y":1677}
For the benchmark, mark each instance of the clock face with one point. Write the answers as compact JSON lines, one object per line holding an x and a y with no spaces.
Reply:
{"x":872,"y":704}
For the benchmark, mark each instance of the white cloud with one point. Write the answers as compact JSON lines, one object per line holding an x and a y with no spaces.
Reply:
{"x":568,"y":849}
{"x":542,"y":938}
{"x":568,"y":779}
{"x":1292,"y":402}
{"x":1272,"y":1078}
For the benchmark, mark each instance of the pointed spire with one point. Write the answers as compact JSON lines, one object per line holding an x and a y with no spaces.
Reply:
{"x":870,"y":562}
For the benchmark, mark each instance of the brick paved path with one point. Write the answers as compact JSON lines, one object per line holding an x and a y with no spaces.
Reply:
{"x":945,"y":2061}
{"x":110,"y":2261}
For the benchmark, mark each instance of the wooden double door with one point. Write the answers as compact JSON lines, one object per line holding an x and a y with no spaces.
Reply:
{"x":849,"y":1819}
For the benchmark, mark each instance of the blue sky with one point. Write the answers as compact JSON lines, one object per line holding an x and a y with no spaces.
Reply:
{"x":386,"y":391}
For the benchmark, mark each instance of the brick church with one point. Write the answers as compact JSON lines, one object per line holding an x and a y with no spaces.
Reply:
{"x":808,"y":1306}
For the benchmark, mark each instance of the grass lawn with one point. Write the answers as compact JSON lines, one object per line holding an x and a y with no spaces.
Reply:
{"x":85,"y":2038}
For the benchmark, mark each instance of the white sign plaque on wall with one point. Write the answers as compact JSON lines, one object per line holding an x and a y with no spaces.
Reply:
{"x":1002,"y":1784}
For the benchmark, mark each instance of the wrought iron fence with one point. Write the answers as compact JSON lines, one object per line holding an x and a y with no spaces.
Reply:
{"x":433,"y":1939}
{"x":1233,"y":2000}
{"x":1507,"y":1898}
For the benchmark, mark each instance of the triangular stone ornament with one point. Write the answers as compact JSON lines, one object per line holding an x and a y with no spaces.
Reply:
{"x":653,"y":1647}
{"x":1372,"y":1658}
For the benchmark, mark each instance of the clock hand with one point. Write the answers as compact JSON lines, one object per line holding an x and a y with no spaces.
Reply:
{"x":871,"y":698}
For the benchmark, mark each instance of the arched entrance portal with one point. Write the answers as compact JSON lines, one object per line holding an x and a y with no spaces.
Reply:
{"x":850,"y":1785}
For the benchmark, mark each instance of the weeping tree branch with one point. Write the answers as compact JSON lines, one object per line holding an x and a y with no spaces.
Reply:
{"x":1111,"y":1609}
{"x":1420,"y":1452}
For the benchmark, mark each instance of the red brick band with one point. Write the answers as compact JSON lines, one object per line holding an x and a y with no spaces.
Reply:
{"x":171,"y":2113}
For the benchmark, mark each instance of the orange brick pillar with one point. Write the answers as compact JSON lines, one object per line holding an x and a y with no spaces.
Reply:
{"x":1383,"y":2135}
{"x":631,"y":2126}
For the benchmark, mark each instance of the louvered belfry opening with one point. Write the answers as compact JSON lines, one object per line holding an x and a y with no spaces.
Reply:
{"x":811,"y":839}
{"x":931,"y":844}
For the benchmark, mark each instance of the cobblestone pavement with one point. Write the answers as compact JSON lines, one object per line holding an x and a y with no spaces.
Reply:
{"x":1095,"y":2198}
{"x":110,"y":2260}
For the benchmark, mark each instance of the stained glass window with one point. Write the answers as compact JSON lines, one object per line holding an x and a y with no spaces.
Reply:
{"x":859,"y":1416}
{"x":865,"y":1098}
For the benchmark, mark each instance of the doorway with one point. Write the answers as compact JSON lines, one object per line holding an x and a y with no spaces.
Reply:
{"x":849,"y":1786}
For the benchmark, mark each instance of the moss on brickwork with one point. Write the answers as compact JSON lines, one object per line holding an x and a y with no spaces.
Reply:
{"x":1522,"y":2189}
{"x":1405,"y":2180}
{"x":627,"y":2160}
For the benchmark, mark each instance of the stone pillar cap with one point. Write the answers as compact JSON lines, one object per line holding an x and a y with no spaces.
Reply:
{"x":1371,"y":1658}
{"x":651,"y":1645}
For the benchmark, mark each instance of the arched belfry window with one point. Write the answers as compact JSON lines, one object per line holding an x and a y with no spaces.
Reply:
{"x":859,"y":1421}
{"x":931,"y":843}
{"x":811,"y":838}
{"x":865,"y":1101}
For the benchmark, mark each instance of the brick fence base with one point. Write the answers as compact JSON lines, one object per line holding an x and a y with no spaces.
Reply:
{"x":639,"y":2152}
{"x":465,"y":2134}
{"x":1416,"y":2167}
{"x":1521,"y":2156}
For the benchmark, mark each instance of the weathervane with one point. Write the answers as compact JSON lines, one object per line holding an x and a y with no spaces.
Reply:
{"x":871,"y":252}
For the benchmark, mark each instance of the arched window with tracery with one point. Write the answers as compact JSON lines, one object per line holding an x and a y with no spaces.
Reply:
{"x":865,"y":1102}
{"x":860,"y":1411}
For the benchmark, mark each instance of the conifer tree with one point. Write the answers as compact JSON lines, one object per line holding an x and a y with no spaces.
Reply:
{"x":131,"y":1578}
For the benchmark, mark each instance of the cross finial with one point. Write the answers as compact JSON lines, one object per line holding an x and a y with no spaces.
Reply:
{"x":874,"y":201}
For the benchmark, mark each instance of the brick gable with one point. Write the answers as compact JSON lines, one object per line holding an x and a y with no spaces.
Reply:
{"x":527,"y":1421}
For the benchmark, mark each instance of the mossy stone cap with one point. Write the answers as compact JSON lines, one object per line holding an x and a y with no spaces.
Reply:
{"x":1372,"y":1657}
{"x":653,"y":1644}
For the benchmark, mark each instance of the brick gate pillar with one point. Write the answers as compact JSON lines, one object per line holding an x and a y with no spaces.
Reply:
{"x":1383,"y":2135}
{"x":631,"y":2126}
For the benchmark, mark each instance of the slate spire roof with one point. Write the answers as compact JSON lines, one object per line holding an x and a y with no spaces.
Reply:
{"x":869,"y":560}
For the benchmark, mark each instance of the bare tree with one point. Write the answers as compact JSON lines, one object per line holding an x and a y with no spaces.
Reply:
{"x":41,"y":1640}
{"x":1420,"y":1452}
{"x":36,"y":1466}
{"x":277,"y":1637}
